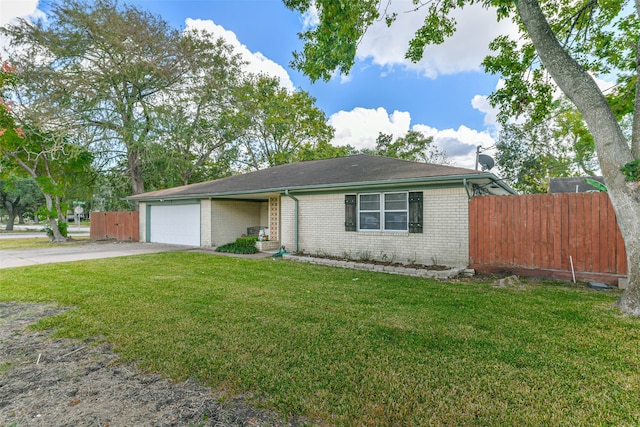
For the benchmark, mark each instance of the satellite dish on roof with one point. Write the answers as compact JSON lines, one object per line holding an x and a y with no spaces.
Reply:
{"x":486,"y":162}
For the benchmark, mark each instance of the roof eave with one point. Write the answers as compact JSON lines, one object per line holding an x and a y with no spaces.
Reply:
{"x":331,"y":187}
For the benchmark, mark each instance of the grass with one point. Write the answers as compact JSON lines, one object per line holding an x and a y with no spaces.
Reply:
{"x":351,"y":347}
{"x":36,"y":242}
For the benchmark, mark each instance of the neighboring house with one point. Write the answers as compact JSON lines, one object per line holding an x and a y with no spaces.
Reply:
{"x":573,"y":184}
{"x":358,"y":206}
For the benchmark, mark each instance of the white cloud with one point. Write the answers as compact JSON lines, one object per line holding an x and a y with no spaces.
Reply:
{"x":12,"y":9}
{"x":310,"y":18}
{"x":360,"y":127}
{"x":460,"y":144}
{"x":482,"y":104}
{"x":257,"y":62}
{"x":476,"y":27}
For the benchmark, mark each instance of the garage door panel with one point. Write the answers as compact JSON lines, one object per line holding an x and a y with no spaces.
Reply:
{"x":175,"y":224}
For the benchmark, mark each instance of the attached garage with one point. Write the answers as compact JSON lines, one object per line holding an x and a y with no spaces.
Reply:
{"x":174,"y":224}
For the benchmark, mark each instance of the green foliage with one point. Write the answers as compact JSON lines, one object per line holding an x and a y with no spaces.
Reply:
{"x":530,"y":153}
{"x":349,"y":347}
{"x":632,"y":170}
{"x":597,"y":184}
{"x":19,"y":196}
{"x":196,"y":131}
{"x":570,"y":131}
{"x":527,"y":161}
{"x":600,"y":36}
{"x":154,"y":107}
{"x":332,"y":44}
{"x":246,"y":241}
{"x":32,"y":146}
{"x":63,"y":227}
{"x":413,"y":146}
{"x":279,"y":126}
{"x":321,"y":150}
{"x":242,"y":245}
{"x":123,"y":79}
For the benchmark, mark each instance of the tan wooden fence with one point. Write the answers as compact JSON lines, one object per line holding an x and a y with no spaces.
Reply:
{"x":544,"y":234}
{"x":122,"y":226}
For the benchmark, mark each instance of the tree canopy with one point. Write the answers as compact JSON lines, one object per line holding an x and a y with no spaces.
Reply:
{"x":412,"y":146}
{"x":127,"y":80}
{"x":19,"y":196}
{"x":163,"y":106}
{"x":279,"y":126}
{"x":530,"y":153}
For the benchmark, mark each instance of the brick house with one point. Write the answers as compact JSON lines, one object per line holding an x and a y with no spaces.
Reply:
{"x":356,"y":206}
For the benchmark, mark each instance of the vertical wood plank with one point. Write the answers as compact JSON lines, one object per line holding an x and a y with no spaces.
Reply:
{"x":611,"y":232}
{"x":510,"y":240}
{"x":596,"y":241}
{"x":486,"y":220}
{"x":556,"y":257}
{"x":518,"y":225}
{"x":546,"y":212}
{"x":473,"y":230}
{"x":495,"y":230}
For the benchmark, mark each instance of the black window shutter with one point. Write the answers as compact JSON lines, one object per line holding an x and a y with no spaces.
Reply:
{"x":350,"y":213}
{"x":415,"y":212}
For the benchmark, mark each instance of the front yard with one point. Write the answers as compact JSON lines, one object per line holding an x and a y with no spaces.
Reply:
{"x":350,"y":347}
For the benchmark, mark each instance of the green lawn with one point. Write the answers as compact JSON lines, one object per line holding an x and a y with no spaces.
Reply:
{"x":36,"y":242}
{"x":351,"y":347}
{"x":25,"y":243}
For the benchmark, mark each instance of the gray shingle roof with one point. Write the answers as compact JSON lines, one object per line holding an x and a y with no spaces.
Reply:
{"x":314,"y":174}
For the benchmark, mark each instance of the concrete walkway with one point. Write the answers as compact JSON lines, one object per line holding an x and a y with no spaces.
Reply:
{"x":79,"y":252}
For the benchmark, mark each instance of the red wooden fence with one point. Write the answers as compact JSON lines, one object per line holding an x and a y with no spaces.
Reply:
{"x":543,"y":234}
{"x":122,"y":226}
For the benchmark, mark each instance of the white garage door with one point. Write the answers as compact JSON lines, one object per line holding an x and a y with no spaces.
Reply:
{"x":175,"y":224}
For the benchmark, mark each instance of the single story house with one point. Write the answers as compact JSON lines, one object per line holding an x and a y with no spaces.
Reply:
{"x":358,"y":206}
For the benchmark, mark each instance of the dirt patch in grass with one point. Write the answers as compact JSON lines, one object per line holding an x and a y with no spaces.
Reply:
{"x":55,"y":382}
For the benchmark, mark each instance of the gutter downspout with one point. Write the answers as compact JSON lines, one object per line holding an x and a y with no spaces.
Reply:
{"x":295,"y":227}
{"x":466,"y":187}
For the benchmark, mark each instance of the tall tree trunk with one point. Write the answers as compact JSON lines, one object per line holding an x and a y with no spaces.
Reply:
{"x":53,"y":221}
{"x":12,"y":212}
{"x":627,"y":201}
{"x":611,"y":145}
{"x":135,"y":172}
{"x":11,"y":220}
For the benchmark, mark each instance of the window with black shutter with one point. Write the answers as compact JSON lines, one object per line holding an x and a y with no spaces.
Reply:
{"x":350,"y":213}
{"x":384,"y":212}
{"x":415,"y":212}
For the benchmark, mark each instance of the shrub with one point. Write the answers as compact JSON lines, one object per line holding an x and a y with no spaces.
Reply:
{"x":242,"y":245}
{"x":247,"y":241}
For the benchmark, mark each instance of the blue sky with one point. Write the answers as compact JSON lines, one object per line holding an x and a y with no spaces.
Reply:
{"x":443,"y":96}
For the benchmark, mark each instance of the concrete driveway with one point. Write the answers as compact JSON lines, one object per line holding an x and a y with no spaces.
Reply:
{"x":79,"y":252}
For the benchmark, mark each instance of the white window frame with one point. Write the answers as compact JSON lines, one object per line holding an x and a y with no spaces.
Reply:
{"x":382,"y":212}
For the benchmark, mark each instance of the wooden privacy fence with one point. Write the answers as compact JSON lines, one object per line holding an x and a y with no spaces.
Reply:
{"x":122,"y":226}
{"x":543,"y":234}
